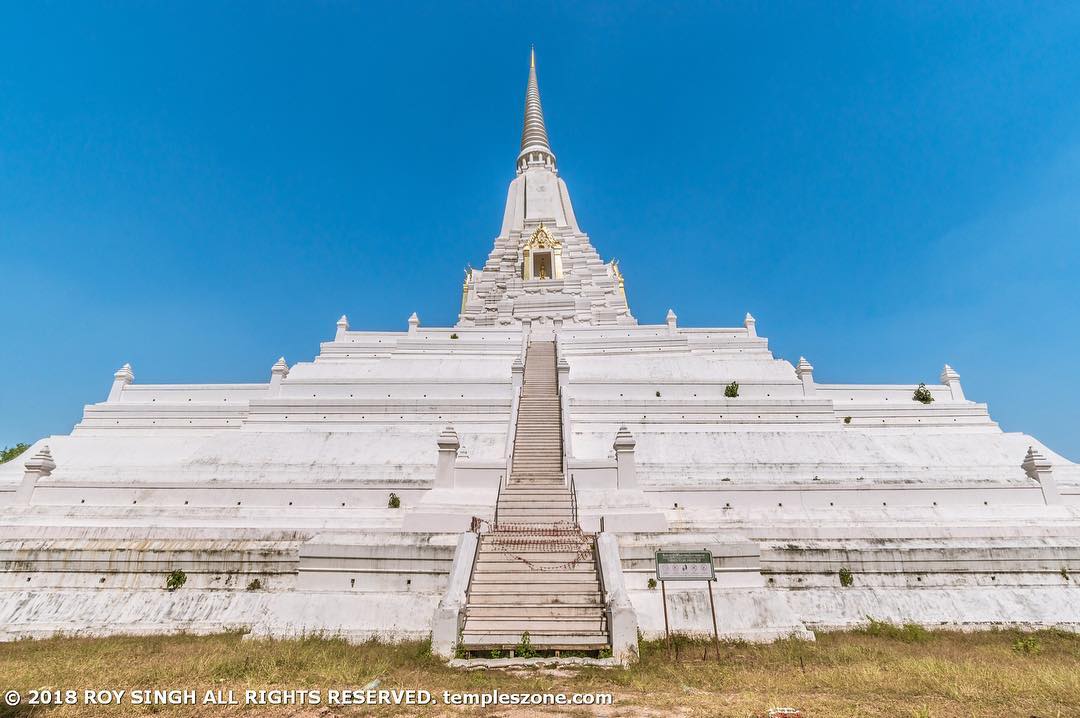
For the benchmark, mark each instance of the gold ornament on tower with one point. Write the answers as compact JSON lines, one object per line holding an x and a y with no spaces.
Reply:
{"x":542,"y":256}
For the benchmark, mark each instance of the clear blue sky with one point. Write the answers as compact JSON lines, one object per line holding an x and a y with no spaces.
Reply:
{"x":199,"y":189}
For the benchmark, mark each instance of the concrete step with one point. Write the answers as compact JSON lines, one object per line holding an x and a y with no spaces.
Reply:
{"x":548,"y":516}
{"x":536,"y":589}
{"x":500,"y":610}
{"x":510,"y":503}
{"x":497,"y":557}
{"x":514,"y":570}
{"x":550,"y":642}
{"x":545,"y":625}
{"x":488,"y":597}
{"x":536,"y":481}
{"x":523,"y":492}
{"x":550,"y":481}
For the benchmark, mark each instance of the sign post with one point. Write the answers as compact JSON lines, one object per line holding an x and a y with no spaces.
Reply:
{"x":687,"y":566}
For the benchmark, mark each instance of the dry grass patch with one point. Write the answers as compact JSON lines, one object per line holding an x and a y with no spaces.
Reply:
{"x":884,"y":671}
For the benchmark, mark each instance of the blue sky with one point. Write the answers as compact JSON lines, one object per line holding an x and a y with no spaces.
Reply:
{"x":199,"y":189}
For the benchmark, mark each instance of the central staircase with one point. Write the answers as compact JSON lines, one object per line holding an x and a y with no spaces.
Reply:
{"x":536,"y":571}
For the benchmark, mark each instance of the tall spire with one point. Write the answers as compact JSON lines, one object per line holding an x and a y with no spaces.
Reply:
{"x":535,"y":148}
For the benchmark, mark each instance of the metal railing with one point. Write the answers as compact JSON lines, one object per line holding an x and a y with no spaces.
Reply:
{"x":573,"y":500}
{"x":498,"y":496}
{"x":600,"y":582}
{"x":511,"y":431}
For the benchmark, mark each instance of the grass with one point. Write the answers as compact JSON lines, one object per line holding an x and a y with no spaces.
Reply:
{"x":881,"y":670}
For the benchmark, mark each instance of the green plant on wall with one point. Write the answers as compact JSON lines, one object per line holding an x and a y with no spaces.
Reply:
{"x":922,"y":394}
{"x":175,"y":579}
{"x":847,"y":580}
{"x":524,"y":648}
{"x":731,"y":390}
{"x":394,"y":502}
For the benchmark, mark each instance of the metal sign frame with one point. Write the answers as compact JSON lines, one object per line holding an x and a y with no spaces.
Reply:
{"x":689,"y":565}
{"x":685,"y":566}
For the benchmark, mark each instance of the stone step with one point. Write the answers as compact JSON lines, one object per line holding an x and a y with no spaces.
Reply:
{"x":497,"y":556}
{"x":533,"y":502}
{"x":498,"y":610}
{"x":487,"y":597}
{"x":514,"y":570}
{"x":530,"y":516}
{"x":546,"y":482}
{"x":551,"y":642}
{"x":554,"y":484}
{"x":536,"y":589}
{"x":545,"y":625}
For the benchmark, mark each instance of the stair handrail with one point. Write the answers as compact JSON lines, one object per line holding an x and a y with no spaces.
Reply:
{"x":511,"y":430}
{"x":498,"y":496}
{"x":515,"y":402}
{"x":564,"y":418}
{"x":573,"y":500}
{"x":598,"y":567}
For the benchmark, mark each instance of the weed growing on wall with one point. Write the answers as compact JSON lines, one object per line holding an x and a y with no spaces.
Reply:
{"x":175,"y":579}
{"x":923,"y":395}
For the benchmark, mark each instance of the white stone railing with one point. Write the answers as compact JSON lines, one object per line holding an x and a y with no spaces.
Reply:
{"x":622,"y":619}
{"x":446,"y":624}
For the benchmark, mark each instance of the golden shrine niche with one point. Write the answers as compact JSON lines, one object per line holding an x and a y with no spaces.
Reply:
{"x":542,"y":256}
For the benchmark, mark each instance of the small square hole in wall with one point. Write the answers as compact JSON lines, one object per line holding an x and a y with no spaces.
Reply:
{"x":185,"y":503}
{"x":352,"y":583}
{"x":237,"y":503}
{"x":82,"y":501}
{"x":342,"y":503}
{"x":290,"y":503}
